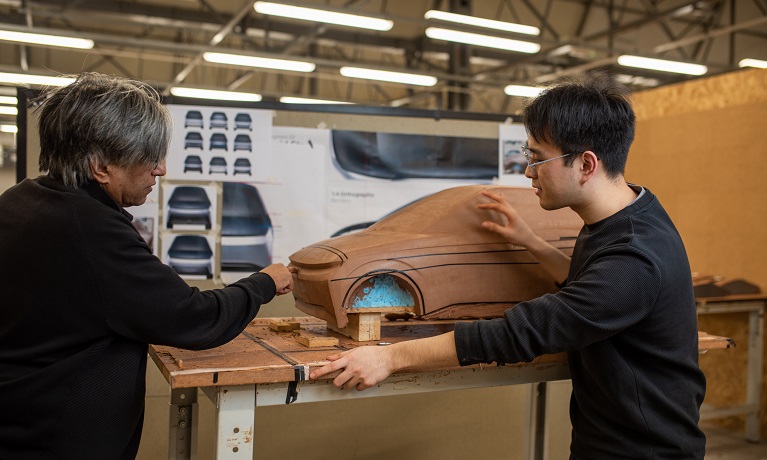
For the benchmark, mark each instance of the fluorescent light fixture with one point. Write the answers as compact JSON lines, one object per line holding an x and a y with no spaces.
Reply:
{"x":662,"y":65}
{"x":9,"y":129}
{"x":30,"y":79}
{"x":488,"y":41}
{"x":481,"y":22}
{"x":8,"y":100}
{"x":748,"y":62}
{"x":383,"y":75}
{"x":252,"y":61}
{"x":8,"y":110}
{"x":50,"y":40}
{"x":636,"y":80}
{"x":304,"y":100}
{"x":200,"y":93}
{"x":524,"y":91}
{"x":330,"y":17}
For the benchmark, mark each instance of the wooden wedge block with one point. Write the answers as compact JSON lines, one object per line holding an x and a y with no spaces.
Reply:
{"x":315,"y":341}
{"x":283,"y":326}
{"x":362,"y":327}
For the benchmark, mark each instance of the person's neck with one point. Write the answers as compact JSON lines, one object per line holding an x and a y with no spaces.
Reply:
{"x":605,"y":198}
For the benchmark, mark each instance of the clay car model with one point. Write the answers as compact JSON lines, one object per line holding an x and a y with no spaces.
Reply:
{"x":432,"y":259}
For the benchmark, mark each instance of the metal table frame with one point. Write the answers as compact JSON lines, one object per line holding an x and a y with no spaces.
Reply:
{"x":236,"y":405}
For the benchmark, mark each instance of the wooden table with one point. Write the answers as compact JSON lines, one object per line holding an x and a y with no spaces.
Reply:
{"x":754,"y":305}
{"x":262,"y":367}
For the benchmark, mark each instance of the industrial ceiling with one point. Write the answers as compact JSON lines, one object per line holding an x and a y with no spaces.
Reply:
{"x":162,"y":41}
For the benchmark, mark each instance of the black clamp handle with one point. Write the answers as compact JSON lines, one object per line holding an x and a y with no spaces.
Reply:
{"x":300,"y":373}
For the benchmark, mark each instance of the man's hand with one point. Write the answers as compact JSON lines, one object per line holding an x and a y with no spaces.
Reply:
{"x":361,"y":368}
{"x":516,"y":231}
{"x":283,"y":278}
{"x":367,"y":366}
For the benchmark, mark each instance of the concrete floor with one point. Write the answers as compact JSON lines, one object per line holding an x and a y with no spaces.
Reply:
{"x":722,"y":444}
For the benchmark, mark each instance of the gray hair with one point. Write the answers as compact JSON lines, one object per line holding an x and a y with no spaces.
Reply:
{"x":110,"y":119}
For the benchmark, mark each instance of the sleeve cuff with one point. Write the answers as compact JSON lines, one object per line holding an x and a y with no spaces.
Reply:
{"x":266,"y":286}
{"x":467,"y":343}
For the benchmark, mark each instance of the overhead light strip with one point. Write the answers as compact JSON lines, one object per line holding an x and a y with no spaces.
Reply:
{"x":253,"y":61}
{"x":748,"y":62}
{"x":383,"y":75}
{"x":488,"y":41}
{"x":201,"y":93}
{"x":8,"y":100}
{"x":9,"y":129}
{"x":328,"y":17}
{"x":30,"y":79}
{"x":49,"y":40}
{"x":523,"y":91}
{"x":8,"y":110}
{"x":662,"y":65}
{"x":304,"y":100}
{"x":481,"y":22}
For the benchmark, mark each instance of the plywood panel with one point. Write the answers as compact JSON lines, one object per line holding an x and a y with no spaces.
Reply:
{"x":700,"y":148}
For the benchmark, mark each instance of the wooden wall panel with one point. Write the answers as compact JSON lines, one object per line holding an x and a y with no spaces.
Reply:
{"x":701,"y":148}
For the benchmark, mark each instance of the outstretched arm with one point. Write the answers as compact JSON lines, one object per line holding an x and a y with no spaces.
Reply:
{"x":366,"y":366}
{"x":516,"y":231}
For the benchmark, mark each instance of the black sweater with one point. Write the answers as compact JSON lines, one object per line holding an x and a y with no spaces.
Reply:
{"x":627,"y":319}
{"x":82,"y":296}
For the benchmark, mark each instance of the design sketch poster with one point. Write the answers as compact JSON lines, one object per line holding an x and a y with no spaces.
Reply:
{"x":512,"y":163}
{"x":370,"y":175}
{"x":145,"y":218}
{"x":219,"y":143}
{"x":290,"y":205}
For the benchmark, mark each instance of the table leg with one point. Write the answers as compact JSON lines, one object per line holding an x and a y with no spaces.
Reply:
{"x":539,"y":443}
{"x":754,"y":379}
{"x":183,"y":423}
{"x":235,"y":419}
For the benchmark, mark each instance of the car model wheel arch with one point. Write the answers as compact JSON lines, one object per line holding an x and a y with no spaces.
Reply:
{"x":405,"y":282}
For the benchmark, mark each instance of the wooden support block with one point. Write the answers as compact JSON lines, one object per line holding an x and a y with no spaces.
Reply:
{"x":362,"y":327}
{"x":315,"y":341}
{"x":284,"y":326}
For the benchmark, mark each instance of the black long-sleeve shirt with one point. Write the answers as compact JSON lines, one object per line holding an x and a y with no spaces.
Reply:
{"x":626,"y":317}
{"x":82,"y":297}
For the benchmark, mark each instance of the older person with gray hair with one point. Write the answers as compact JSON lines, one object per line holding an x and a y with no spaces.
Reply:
{"x":83,"y":295}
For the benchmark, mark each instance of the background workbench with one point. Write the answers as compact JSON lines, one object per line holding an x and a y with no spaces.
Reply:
{"x":754,"y":305}
{"x":260,"y":367}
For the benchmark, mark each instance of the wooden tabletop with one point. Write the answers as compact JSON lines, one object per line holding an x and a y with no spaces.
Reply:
{"x":703,"y":301}
{"x":260,"y":355}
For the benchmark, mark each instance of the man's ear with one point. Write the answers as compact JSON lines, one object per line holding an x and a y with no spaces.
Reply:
{"x":98,"y":171}
{"x":589,"y":165}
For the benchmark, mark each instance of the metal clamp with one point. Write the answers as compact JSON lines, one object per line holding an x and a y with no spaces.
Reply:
{"x":300,"y":373}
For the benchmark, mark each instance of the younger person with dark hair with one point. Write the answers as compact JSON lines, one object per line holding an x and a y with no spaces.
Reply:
{"x":626,"y":312}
